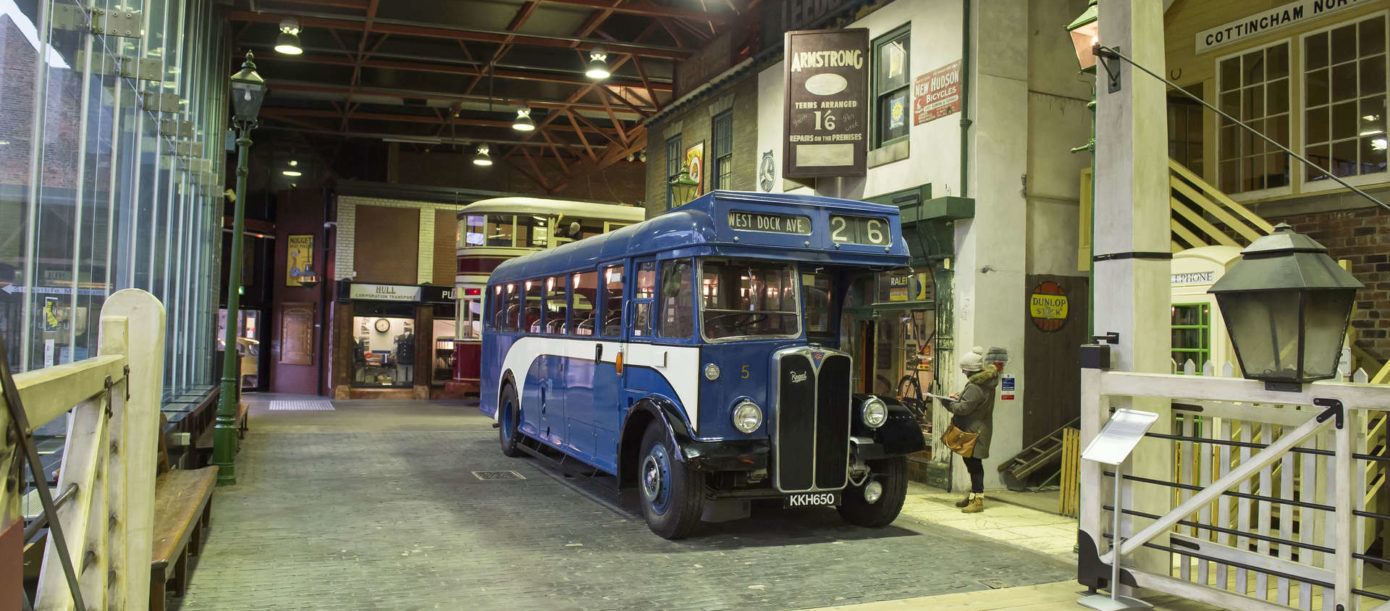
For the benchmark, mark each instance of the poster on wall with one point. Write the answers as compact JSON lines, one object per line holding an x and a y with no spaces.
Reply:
{"x":826,"y":112}
{"x":300,"y":259}
{"x":695,"y":163}
{"x":1047,"y":307}
{"x":936,"y":93}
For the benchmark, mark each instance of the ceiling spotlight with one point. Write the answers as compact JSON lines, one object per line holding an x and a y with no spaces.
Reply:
{"x":523,"y":122}
{"x":642,"y":156}
{"x":481,"y":157}
{"x":292,"y":173}
{"x":288,"y":41}
{"x":598,"y":65}
{"x":294,"y":163}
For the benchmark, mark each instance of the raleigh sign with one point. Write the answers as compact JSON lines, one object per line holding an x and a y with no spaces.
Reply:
{"x":826,"y":110}
{"x":1267,"y":21}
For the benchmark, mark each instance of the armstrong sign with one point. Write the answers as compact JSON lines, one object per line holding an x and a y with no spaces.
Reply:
{"x":1267,"y":21}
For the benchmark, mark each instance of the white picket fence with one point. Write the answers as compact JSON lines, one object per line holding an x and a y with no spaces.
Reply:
{"x":111,"y":403}
{"x":1270,"y":497}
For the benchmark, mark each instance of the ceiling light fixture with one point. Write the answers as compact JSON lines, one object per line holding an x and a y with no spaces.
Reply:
{"x":598,"y":64}
{"x":288,"y":41}
{"x":523,"y":122}
{"x":292,"y":173}
{"x":1378,"y":144}
{"x":294,"y":163}
{"x":481,"y":157}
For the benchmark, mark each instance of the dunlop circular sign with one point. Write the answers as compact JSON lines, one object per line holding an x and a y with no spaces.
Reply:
{"x":1047,"y":306}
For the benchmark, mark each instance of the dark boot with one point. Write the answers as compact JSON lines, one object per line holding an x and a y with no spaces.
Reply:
{"x":963,"y":502}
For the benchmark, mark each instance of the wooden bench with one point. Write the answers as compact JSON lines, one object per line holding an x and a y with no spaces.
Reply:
{"x":182,"y":509}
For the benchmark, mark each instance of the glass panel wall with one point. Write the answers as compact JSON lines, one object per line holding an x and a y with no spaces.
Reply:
{"x":105,"y":185}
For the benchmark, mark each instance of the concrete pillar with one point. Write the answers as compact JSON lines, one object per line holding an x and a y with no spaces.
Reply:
{"x":1132,"y":242}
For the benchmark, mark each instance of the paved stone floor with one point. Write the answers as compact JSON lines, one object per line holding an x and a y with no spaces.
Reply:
{"x":374,"y":506}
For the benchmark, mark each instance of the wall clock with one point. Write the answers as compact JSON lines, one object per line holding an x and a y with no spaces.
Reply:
{"x":382,"y":325}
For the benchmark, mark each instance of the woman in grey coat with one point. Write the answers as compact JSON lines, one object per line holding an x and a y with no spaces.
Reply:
{"x":973,"y":412}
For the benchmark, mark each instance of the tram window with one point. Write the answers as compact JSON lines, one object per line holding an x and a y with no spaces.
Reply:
{"x":817,"y":291}
{"x":553,"y":313}
{"x":676,"y":317}
{"x":532,"y":231}
{"x":612,"y":301}
{"x":469,"y":319}
{"x":474,"y":231}
{"x":531,"y":313}
{"x":513,"y":310}
{"x":646,"y":289}
{"x":499,"y":229}
{"x":583,"y":303}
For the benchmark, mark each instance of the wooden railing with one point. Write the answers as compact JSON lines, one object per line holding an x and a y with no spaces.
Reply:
{"x":1269,"y":498}
{"x":105,"y":489}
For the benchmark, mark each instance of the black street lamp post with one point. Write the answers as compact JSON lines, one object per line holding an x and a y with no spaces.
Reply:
{"x":248,"y":91}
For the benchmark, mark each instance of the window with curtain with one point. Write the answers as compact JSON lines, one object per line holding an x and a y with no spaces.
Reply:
{"x":1344,"y":74}
{"x":722,"y":132}
{"x":1253,"y":87}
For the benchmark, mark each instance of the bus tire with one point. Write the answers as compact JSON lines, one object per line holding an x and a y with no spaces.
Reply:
{"x":508,"y":418}
{"x":673,"y":496}
{"x":891,"y":473}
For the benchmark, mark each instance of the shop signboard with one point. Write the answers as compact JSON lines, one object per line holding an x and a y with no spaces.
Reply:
{"x":826,"y":103}
{"x":1269,"y":20}
{"x":1047,"y":306}
{"x":936,"y":93}
{"x":385,"y":292}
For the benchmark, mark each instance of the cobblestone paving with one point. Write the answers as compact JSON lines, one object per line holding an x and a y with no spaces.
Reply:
{"x":374,"y":506}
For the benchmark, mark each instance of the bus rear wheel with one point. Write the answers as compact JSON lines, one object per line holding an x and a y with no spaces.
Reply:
{"x":891,"y":475}
{"x":673,"y":496}
{"x":508,"y":418}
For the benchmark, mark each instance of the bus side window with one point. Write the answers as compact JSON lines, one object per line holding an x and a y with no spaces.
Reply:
{"x":646,"y":289}
{"x":531,"y":322}
{"x":498,"y":309}
{"x":583,"y":303}
{"x":612,"y":314}
{"x":553,"y":313}
{"x":675,"y":299}
{"x":513,"y":308}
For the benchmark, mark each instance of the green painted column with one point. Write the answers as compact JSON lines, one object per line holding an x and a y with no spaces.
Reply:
{"x":224,"y":441}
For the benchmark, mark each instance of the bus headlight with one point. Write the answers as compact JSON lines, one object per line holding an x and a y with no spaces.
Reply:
{"x":874,"y":412}
{"x":747,"y":416}
{"x":711,"y":372}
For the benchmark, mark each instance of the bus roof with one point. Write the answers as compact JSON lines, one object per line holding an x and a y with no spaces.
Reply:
{"x":539,"y":205}
{"x":702,"y":228}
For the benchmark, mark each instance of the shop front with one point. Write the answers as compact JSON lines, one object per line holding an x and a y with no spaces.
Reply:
{"x":394,"y":341}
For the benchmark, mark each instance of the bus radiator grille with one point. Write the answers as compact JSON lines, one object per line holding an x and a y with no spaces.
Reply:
{"x":832,"y":422}
{"x":796,"y":423}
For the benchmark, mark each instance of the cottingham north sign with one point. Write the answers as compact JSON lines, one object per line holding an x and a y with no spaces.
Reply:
{"x":1266,"y":21}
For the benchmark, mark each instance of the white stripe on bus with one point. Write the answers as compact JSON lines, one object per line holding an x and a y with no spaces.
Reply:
{"x":679,"y":365}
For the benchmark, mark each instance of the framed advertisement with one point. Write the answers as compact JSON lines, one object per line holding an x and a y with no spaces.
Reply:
{"x":695,"y":163}
{"x":826,"y":103}
{"x":299,"y":259}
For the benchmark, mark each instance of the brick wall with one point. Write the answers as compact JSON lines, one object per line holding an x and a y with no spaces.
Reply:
{"x":1363,"y":238}
{"x":694,"y":124}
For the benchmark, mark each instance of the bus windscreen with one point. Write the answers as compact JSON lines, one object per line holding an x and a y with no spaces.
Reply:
{"x":748,"y":299}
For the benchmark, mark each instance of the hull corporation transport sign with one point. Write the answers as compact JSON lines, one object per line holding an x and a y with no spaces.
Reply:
{"x":826,"y":110}
{"x":1269,"y":20}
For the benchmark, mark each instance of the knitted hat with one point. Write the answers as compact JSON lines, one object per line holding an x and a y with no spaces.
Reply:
{"x":974,"y":360}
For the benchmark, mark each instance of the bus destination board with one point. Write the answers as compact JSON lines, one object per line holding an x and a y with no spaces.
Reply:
{"x":772,"y":223}
{"x":860,"y":230}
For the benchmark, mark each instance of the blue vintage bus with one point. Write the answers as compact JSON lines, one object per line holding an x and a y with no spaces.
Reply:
{"x":696,"y":356}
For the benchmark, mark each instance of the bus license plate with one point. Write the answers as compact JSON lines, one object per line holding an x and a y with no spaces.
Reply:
{"x":812,"y":499}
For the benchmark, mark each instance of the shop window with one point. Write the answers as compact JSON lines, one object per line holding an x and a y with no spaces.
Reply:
{"x":384,"y":354}
{"x":674,"y":159}
{"x":677,"y":319}
{"x":1185,"y":130}
{"x":642,"y":296}
{"x":556,"y":306}
{"x":512,"y":313}
{"x":1191,"y":330}
{"x":612,"y":314}
{"x":1253,"y":87}
{"x":890,"y":86}
{"x":722,"y":134}
{"x":1344,"y":74}
{"x":583,"y":303}
{"x":531,"y":312}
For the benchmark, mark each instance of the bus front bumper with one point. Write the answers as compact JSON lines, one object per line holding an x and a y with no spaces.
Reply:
{"x":732,"y":455}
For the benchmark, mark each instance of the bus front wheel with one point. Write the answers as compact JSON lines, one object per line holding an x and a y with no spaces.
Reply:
{"x":672,"y":495}
{"x":891,"y":476}
{"x":508,"y":418}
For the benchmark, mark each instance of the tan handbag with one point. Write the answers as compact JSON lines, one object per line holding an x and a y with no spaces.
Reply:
{"x":959,"y":441}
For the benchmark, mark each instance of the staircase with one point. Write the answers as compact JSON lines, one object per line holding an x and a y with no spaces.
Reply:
{"x":1201,"y":215}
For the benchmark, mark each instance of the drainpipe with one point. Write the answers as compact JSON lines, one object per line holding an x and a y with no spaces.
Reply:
{"x":965,"y":99}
